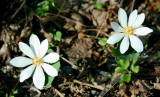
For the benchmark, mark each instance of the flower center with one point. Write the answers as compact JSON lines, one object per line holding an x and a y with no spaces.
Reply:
{"x":37,"y":61}
{"x":128,"y":30}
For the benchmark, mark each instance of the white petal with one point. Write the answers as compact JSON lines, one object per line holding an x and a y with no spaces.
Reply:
{"x":116,"y":27}
{"x":43,"y":48}
{"x":50,"y":70}
{"x":136,"y":43}
{"x":143,"y":31}
{"x":39,"y":77}
{"x":26,"y":49}
{"x":115,"y":38}
{"x":51,"y":58}
{"x":139,"y":20}
{"x":20,"y":61}
{"x":34,"y":44}
{"x":132,"y":18}
{"x":124,"y":45}
{"x":26,"y":73}
{"x":122,"y":17}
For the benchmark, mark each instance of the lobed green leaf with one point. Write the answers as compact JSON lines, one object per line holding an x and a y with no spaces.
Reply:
{"x":98,"y":6}
{"x":119,"y":69}
{"x":102,"y":42}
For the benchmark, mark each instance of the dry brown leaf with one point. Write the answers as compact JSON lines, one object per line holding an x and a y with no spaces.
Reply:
{"x":3,"y":49}
{"x":99,"y":17}
{"x":81,"y":35}
{"x":141,"y":86}
{"x":25,"y":32}
{"x":81,"y":48}
{"x":87,"y":7}
{"x":69,"y":27}
{"x":34,"y":92}
{"x":134,"y":91}
{"x":156,"y":86}
{"x":116,"y":74}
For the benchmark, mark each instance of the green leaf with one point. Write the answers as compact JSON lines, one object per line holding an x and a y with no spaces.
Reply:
{"x":49,"y":51}
{"x":158,"y":6}
{"x":45,"y":14}
{"x":109,"y":75}
{"x":134,"y":69}
{"x":45,"y":8}
{"x":90,"y":1}
{"x":49,"y":79}
{"x":119,"y":62}
{"x":75,"y":27}
{"x":102,"y":41}
{"x":127,"y":57}
{"x":119,"y":69}
{"x":146,"y":45}
{"x":158,"y":54}
{"x":121,"y":81}
{"x":90,"y":76}
{"x":98,"y":6}
{"x":125,"y":64}
{"x":53,"y":4}
{"x":115,"y":52}
{"x":43,"y":3}
{"x":125,"y":77}
{"x":15,"y":91}
{"x":134,"y":61}
{"x":128,"y":78}
{"x":6,"y":95}
{"x":58,"y":36}
{"x":80,"y":64}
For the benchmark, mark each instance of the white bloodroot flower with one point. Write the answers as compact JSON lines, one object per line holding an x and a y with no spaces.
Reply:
{"x":37,"y":61}
{"x":134,"y":22}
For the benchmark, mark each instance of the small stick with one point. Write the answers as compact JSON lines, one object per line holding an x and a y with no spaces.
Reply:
{"x":74,"y":66}
{"x":14,"y":88}
{"x":20,"y":7}
{"x":121,"y":3}
{"x":59,"y":93}
{"x":63,"y":84}
{"x":133,"y":2}
{"x":90,"y":85}
{"x":109,"y":86}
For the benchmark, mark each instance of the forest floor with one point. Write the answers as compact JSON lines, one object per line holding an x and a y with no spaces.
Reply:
{"x":87,"y":68}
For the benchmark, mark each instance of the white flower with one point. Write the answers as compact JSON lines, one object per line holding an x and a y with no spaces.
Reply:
{"x":37,"y":61}
{"x":135,"y":21}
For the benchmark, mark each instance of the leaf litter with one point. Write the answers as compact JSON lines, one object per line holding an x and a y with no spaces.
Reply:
{"x":82,"y":26}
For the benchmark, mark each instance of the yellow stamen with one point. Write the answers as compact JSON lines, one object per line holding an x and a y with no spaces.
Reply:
{"x":37,"y":61}
{"x":128,"y":30}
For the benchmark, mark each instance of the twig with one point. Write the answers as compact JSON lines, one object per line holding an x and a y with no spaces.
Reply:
{"x":59,"y":11}
{"x":102,"y":26}
{"x":14,"y":88}
{"x":109,"y":86}
{"x":20,"y":7}
{"x":63,"y":84}
{"x":53,"y":16}
{"x":59,"y":93}
{"x":121,"y":3}
{"x":104,"y":61}
{"x":74,"y":66}
{"x":133,"y":2}
{"x":90,"y":85}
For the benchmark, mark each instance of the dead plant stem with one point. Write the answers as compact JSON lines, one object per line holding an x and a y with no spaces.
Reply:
{"x":90,"y":85}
